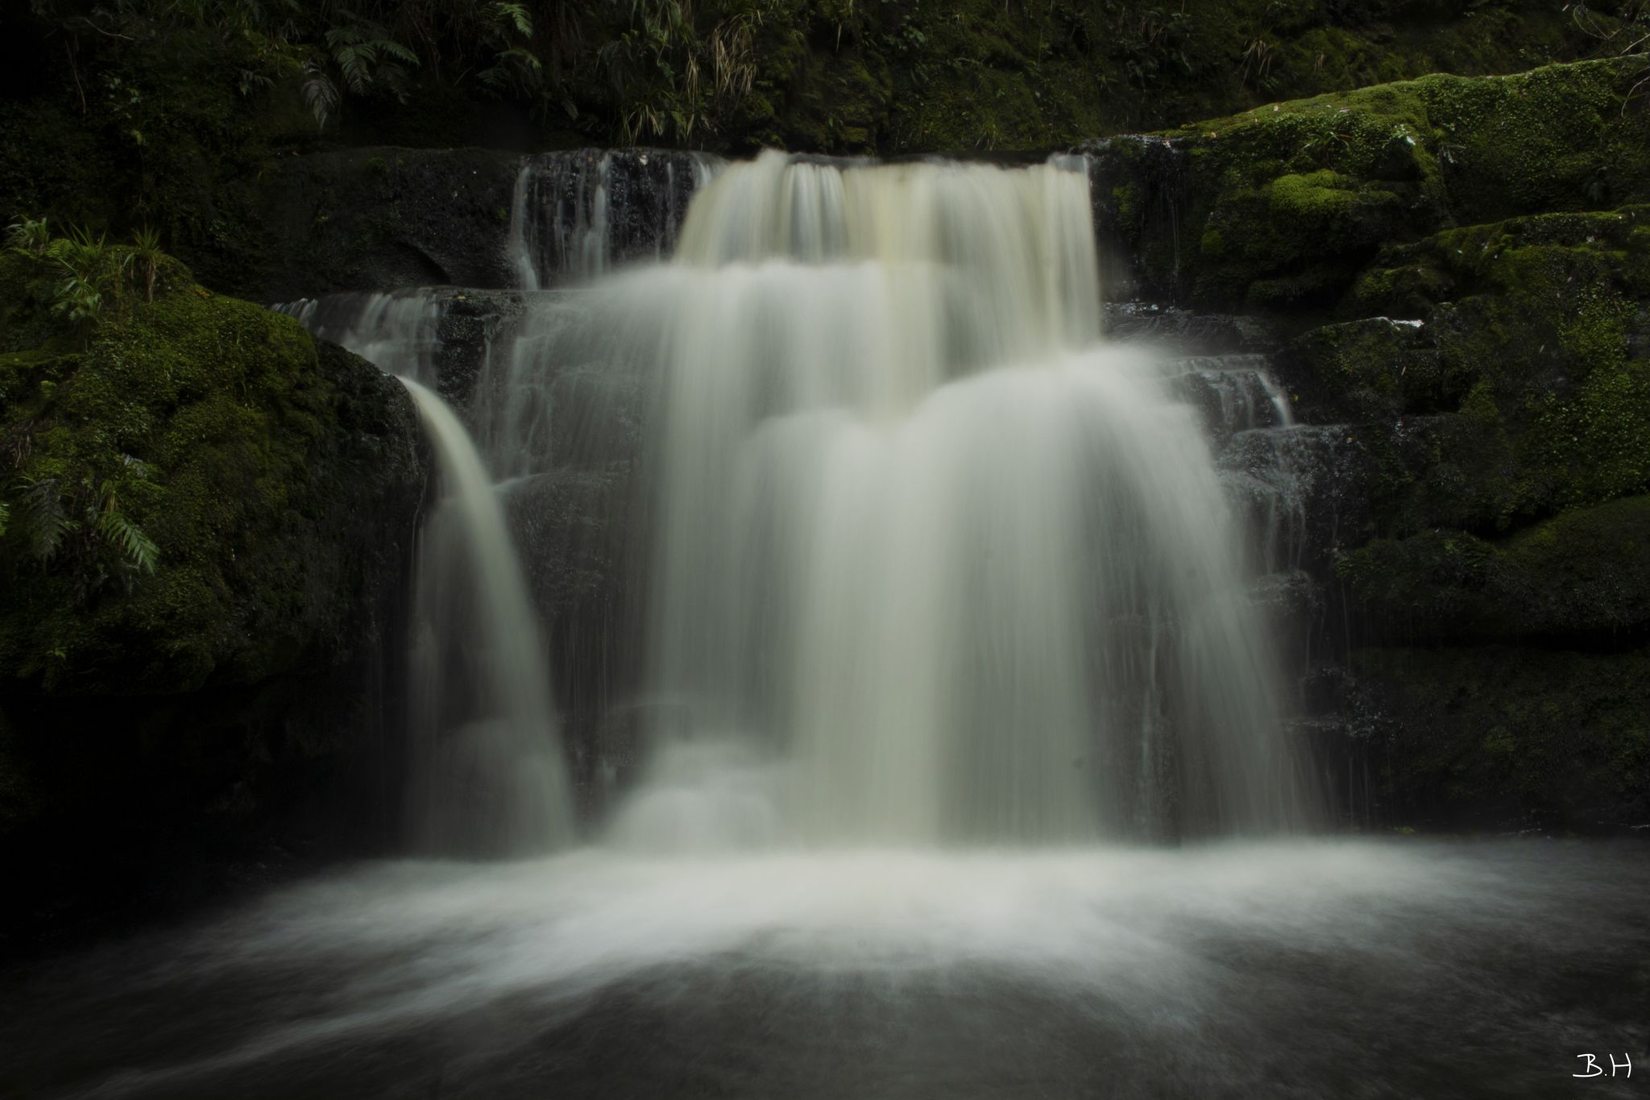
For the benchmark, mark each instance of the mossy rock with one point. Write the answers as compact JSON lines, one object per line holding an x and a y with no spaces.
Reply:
{"x":1584,"y":574}
{"x":1537,"y":382}
{"x":1502,"y":737}
{"x":980,"y":75}
{"x":248,"y":454}
{"x":1371,"y":370}
{"x":158,"y":705}
{"x":1283,"y":207}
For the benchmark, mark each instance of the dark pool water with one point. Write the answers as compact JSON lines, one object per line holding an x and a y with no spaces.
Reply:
{"x":1322,"y":969}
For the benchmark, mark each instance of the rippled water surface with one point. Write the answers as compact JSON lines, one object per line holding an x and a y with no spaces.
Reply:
{"x":1279,"y":969}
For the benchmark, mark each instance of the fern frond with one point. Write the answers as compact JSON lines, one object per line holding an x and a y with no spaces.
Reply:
{"x":320,"y":95}
{"x":128,"y":538}
{"x":515,"y":15}
{"x":44,"y":516}
{"x":389,"y":47}
{"x":355,"y":62}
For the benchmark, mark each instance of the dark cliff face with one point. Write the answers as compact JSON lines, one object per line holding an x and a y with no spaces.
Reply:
{"x":205,"y":697}
{"x":365,"y":219}
{"x":390,"y":218}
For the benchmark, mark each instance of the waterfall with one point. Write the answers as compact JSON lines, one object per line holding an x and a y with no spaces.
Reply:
{"x":919,"y":557}
{"x":941,"y":565}
{"x":487,"y":774}
{"x":485,"y":765}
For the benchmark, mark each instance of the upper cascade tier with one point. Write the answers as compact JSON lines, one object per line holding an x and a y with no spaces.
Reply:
{"x":1010,"y":252}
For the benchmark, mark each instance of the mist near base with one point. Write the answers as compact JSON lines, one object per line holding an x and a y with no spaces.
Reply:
{"x":1290,"y":969}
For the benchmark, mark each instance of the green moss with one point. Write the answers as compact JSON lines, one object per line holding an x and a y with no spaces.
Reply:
{"x":1584,"y":572}
{"x":1520,"y":397}
{"x":1504,"y":737}
{"x":1321,"y":196}
{"x":841,"y":101}
{"x":1374,"y":369}
{"x":217,"y":420}
{"x":1531,"y":321}
{"x":1126,"y":200}
{"x":980,"y":74}
{"x":1298,"y":196}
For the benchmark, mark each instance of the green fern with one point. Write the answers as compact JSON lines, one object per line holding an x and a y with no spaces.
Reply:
{"x":137,"y":548}
{"x":515,"y":15}
{"x":514,"y":70}
{"x":369,"y":59}
{"x":320,"y":94}
{"x":82,"y":531}
{"x":45,"y":517}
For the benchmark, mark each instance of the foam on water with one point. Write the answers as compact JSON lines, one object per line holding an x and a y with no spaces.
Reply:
{"x":1276,"y":969}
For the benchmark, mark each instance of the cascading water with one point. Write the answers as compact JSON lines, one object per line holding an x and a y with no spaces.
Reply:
{"x":486,"y":773}
{"x":486,"y":767}
{"x":966,"y":574}
{"x":929,"y":563}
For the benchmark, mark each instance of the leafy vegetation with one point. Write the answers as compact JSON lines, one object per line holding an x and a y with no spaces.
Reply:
{"x":197,"y":515}
{"x":71,"y":519}
{"x":166,"y":467}
{"x":741,"y":71}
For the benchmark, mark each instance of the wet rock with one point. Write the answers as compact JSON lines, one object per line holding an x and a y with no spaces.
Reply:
{"x":582,"y":212}
{"x":571,"y":528}
{"x":381,"y":218}
{"x":1232,"y":393}
{"x":1302,"y":492}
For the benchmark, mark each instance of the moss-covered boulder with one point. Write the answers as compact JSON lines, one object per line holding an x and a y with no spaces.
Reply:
{"x":1284,"y":206}
{"x":1584,"y":574}
{"x":1541,"y":327}
{"x":242,"y":449}
{"x":1372,"y":370}
{"x":207,"y":522}
{"x":1502,"y":737}
{"x":1520,"y":388}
